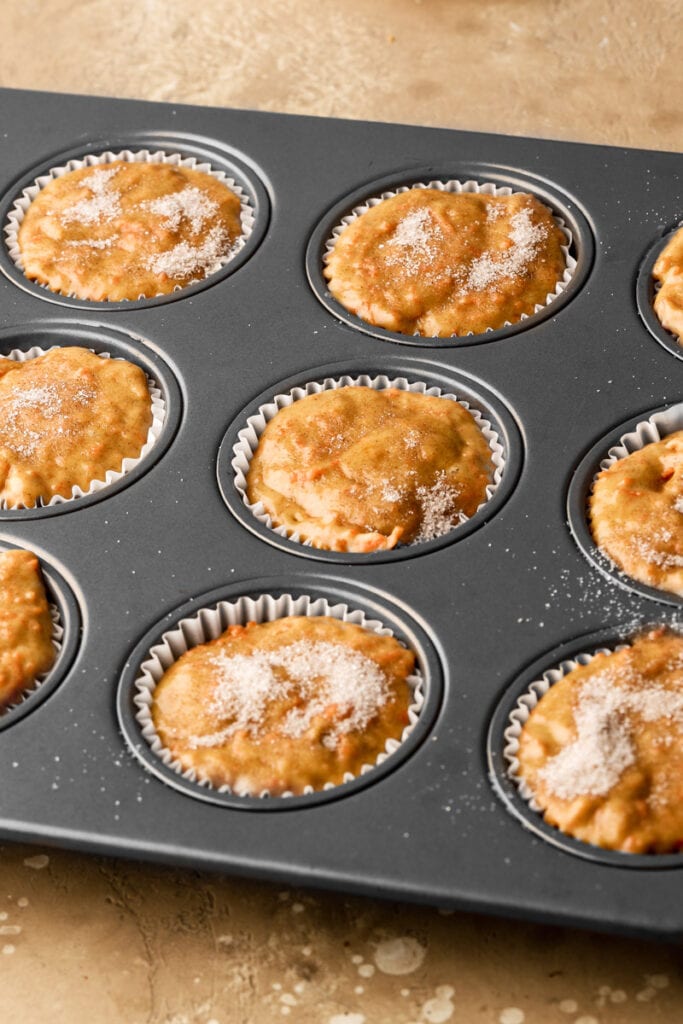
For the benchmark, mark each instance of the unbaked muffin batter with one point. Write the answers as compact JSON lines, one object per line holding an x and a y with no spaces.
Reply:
{"x":636,"y":513}
{"x":66,"y":418}
{"x":361,"y":469}
{"x":283,"y":705}
{"x":26,"y":649}
{"x":128,"y":230}
{"x":603,"y":749}
{"x":440,"y":263}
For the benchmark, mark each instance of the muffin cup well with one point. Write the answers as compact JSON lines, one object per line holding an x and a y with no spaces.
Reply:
{"x":646,"y":290}
{"x":455,"y":185}
{"x":631,"y":436}
{"x":57,"y":638}
{"x":65,"y":635}
{"x":111,"y":476}
{"x":508,"y":719}
{"x":18,"y":210}
{"x":208,"y":624}
{"x":249,"y":436}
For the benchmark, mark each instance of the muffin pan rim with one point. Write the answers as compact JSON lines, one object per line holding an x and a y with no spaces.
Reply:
{"x":505,"y":786}
{"x":221,"y":157}
{"x":578,"y":492}
{"x":371,"y":601}
{"x":479,"y":394}
{"x":119,"y":342}
{"x":560,"y":202}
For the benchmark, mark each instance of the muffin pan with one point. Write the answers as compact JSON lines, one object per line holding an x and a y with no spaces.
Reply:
{"x":487,"y":609}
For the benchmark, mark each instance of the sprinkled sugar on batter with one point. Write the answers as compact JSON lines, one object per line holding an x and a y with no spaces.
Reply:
{"x":417,"y":233}
{"x":414,"y":239}
{"x":53,"y":400}
{"x":493,"y":266}
{"x":647,"y":549}
{"x":438,"y":513}
{"x":92,"y":243}
{"x":190,"y":203}
{"x":323,"y":673}
{"x":103,"y":204}
{"x":185,"y":259}
{"x":603,"y":749}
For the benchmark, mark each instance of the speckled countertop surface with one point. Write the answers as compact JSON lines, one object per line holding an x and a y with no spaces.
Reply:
{"x":97,"y":940}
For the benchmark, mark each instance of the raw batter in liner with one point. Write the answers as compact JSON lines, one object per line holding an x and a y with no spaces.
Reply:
{"x":360,"y":469}
{"x":668,"y":270}
{"x":636,"y":513}
{"x":440,"y":263}
{"x":26,"y":649}
{"x":128,"y":230}
{"x":279,"y":706}
{"x":67,"y":417}
{"x":603,"y":749}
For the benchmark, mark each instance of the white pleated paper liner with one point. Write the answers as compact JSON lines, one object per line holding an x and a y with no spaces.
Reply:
{"x":21,"y":205}
{"x":57,"y":638}
{"x":128,"y":464}
{"x":209,"y":624}
{"x":655,"y":428}
{"x":454,"y":185}
{"x":249,"y":436}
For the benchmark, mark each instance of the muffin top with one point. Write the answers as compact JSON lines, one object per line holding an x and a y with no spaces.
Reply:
{"x":668,"y":272}
{"x":26,"y":649}
{"x":602,"y":751}
{"x":439,"y":263}
{"x":360,"y":469}
{"x":636,"y":513}
{"x":66,"y":418}
{"x":280,"y":706}
{"x":128,"y":230}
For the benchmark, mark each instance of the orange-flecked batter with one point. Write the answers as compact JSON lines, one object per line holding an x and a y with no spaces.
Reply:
{"x":602,"y":751}
{"x":283,"y":705}
{"x":360,"y":469}
{"x":128,"y":230}
{"x":636,"y":513}
{"x":67,"y":417}
{"x":440,"y":264}
{"x":26,"y":650}
{"x":668,"y":271}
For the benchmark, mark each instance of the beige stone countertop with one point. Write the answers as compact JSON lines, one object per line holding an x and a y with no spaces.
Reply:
{"x":89,"y":939}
